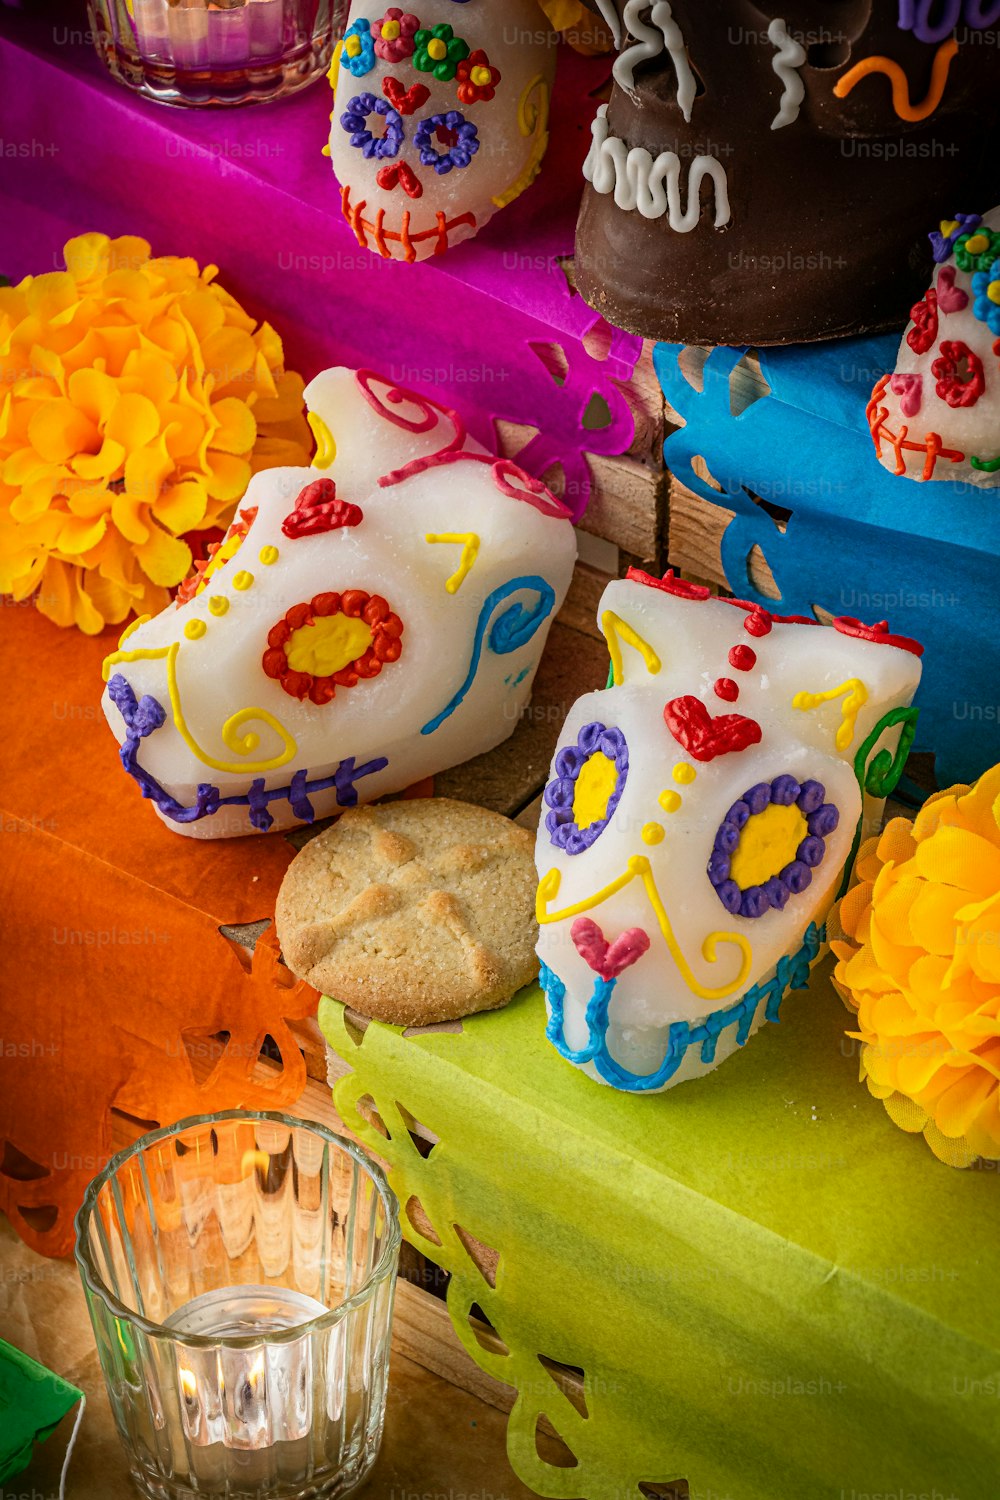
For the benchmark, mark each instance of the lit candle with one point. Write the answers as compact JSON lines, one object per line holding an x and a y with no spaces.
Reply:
{"x":195,"y":36}
{"x":246,"y":1413}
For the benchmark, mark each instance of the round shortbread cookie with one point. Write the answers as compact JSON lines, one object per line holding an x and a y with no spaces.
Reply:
{"x":413,"y":912}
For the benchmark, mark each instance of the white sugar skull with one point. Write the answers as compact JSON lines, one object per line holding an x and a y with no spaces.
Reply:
{"x":698,"y":819}
{"x":937,"y":416}
{"x":440,"y":118}
{"x":366,"y":623}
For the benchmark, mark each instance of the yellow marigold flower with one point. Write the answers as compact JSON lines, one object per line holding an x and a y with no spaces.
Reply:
{"x":137,"y":398}
{"x":917,"y":941}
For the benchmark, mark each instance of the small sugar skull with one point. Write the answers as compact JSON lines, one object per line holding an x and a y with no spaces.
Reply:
{"x":366,"y":623}
{"x":698,"y":820}
{"x":937,"y":415}
{"x":440,"y":118}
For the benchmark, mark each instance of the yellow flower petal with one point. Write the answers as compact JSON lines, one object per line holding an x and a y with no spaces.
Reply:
{"x":134,"y":422}
{"x":94,"y":392}
{"x":237,"y":430}
{"x":164,"y":559}
{"x":147,"y":471}
{"x":58,"y":430}
{"x":182,"y":507}
{"x":128,"y":514}
{"x":87,"y":256}
{"x":78,"y":534}
{"x":226,"y":476}
{"x":108,"y":464}
{"x":960,"y":858}
{"x":51,"y":294}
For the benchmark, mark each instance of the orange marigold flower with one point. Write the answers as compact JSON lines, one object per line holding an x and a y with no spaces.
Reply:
{"x":917,"y":941}
{"x":137,"y":398}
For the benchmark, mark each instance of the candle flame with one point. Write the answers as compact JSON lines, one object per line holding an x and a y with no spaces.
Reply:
{"x":252,"y":1159}
{"x":255,"y":1374}
{"x":189,"y":1385}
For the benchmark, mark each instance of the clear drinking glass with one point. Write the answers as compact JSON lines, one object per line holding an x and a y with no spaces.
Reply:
{"x":240,"y":1271}
{"x":216,"y":51}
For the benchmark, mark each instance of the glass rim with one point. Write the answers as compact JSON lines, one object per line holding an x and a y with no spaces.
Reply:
{"x":380,"y":1272}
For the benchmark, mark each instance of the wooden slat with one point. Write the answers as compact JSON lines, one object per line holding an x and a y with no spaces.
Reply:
{"x":697,"y":527}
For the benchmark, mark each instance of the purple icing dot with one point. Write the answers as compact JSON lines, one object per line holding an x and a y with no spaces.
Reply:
{"x":738,"y":815}
{"x":812,"y":796}
{"x":588,"y":739}
{"x":568,"y":762}
{"x":758,"y":797}
{"x":731,"y":896}
{"x":560,"y":793}
{"x":824,"y":821}
{"x":718,"y":867}
{"x":797,"y":877}
{"x":777,"y":892}
{"x":727,"y":838}
{"x":811,"y":852}
{"x":785,"y":790}
{"x":754,"y":902}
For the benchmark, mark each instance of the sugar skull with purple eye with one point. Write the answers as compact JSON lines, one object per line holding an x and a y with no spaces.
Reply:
{"x":440,"y":81}
{"x":698,"y":819}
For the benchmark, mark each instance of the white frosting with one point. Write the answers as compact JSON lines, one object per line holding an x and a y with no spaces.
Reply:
{"x":609,"y":13}
{"x":653,"y":36}
{"x":791,"y":56}
{"x":653,"y":186}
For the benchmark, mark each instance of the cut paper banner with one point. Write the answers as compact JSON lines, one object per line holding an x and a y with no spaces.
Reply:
{"x":795,"y":474}
{"x":33,"y":1401}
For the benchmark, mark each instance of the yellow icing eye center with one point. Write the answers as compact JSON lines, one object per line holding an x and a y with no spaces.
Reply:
{"x":993,"y":291}
{"x":353,"y":46}
{"x":481,"y":77}
{"x":328,"y":645}
{"x":390,"y":31}
{"x":767,"y":844}
{"x":977,"y":244}
{"x":437,"y":49}
{"x":595,"y":786}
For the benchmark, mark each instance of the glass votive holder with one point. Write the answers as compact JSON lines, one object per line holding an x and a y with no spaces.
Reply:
{"x":202,"y":52}
{"x":240,"y":1270}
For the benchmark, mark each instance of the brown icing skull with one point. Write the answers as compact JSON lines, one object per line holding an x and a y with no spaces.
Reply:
{"x":765,"y":173}
{"x":440,"y":118}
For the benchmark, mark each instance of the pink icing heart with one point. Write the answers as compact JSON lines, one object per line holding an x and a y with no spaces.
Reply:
{"x":608,"y":959}
{"x":950,"y":297}
{"x":910,"y":390}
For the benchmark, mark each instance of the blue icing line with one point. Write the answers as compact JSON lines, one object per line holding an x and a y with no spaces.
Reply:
{"x":514,"y":628}
{"x":791,"y":972}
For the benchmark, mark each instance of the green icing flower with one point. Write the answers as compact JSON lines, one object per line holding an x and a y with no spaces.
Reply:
{"x":439,"y":51}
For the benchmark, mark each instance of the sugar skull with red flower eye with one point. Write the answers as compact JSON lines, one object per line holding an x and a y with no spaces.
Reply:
{"x":698,"y":819}
{"x":439,"y":120}
{"x":366,"y":623}
{"x":937,"y":415}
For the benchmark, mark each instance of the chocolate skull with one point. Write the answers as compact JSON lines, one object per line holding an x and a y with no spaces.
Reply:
{"x":440,"y":118}
{"x":763,"y":173}
{"x":698,"y":820}
{"x":366,"y":623}
{"x":937,"y":416}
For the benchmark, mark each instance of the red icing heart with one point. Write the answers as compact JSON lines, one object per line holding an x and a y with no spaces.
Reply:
{"x":607,"y":959}
{"x":318,"y":510}
{"x":703,"y":737}
{"x":398,"y":174}
{"x":950,"y":297}
{"x":406,"y":101}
